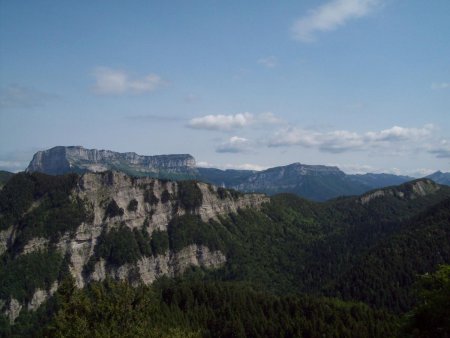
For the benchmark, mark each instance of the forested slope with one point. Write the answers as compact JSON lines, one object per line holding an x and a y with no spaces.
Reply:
{"x":244,"y":265}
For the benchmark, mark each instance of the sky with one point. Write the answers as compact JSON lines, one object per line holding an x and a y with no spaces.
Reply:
{"x":361,"y":84}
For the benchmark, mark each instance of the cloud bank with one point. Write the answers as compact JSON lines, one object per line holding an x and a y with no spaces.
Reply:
{"x":330,"y":16}
{"x":442,"y":150}
{"x":234,"y":145}
{"x":15,"y":96}
{"x":115,"y":82}
{"x":230,"y":122}
{"x":342,"y":140}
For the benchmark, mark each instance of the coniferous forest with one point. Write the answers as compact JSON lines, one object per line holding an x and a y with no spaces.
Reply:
{"x":294,"y":268}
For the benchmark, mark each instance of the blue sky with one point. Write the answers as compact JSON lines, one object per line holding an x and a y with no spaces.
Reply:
{"x":362,"y":84}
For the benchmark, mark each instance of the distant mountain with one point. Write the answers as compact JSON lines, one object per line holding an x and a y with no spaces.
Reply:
{"x":379,"y":180}
{"x":440,"y":177}
{"x":224,"y":178}
{"x":62,"y":160}
{"x":315,"y":182}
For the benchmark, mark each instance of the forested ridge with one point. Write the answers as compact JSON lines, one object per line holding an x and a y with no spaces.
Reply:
{"x":342,"y":268}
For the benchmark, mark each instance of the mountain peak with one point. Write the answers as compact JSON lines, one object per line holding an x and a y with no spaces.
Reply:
{"x":440,"y":177}
{"x":410,"y":190}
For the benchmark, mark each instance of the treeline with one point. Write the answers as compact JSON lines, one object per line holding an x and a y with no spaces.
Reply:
{"x":54,"y":214}
{"x":196,"y":309}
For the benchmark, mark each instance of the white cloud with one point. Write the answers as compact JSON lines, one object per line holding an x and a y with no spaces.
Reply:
{"x":113,"y":81}
{"x":268,"y":62}
{"x":294,"y":136}
{"x":442,"y":150}
{"x":422,"y":172}
{"x":12,"y":166}
{"x":229,"y":122}
{"x":342,"y":140}
{"x":356,"y":168}
{"x":245,"y":166}
{"x":235,"y":144}
{"x":397,"y":133}
{"x":15,"y":96}
{"x":221,"y":122}
{"x":241,"y":166}
{"x":267,"y":118}
{"x":330,"y":16}
{"x":442,"y":85}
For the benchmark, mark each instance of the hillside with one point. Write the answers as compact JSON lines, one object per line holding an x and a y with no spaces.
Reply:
{"x":109,"y":226}
{"x":4,"y":177}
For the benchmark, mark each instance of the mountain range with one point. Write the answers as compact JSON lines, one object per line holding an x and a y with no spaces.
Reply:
{"x":315,"y":182}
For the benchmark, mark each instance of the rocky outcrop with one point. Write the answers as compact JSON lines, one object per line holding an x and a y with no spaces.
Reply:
{"x":13,"y":310}
{"x":97,"y":190}
{"x":14,"y":307}
{"x":145,"y":204}
{"x":5,"y":238}
{"x":410,"y":190}
{"x":36,"y":244}
{"x":40,"y":296}
{"x":171,"y":264}
{"x":61,"y":160}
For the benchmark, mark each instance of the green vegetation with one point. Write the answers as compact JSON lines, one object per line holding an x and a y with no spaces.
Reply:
{"x":431,"y":317}
{"x":159,"y":242}
{"x":189,"y":195}
{"x":190,"y":229}
{"x":222,"y":192}
{"x":4,"y":177}
{"x":119,"y":246}
{"x":228,"y":193}
{"x":41,"y":206}
{"x":198,"y":309}
{"x":282,"y":261}
{"x":113,"y":210}
{"x":384,"y":276}
{"x":150,"y":198}
{"x":133,"y":205}
{"x":122,"y":245}
{"x":165,"y":196}
{"x":22,"y":276}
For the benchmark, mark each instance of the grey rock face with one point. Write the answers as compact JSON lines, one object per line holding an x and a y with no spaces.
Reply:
{"x":170,"y":264}
{"x":410,"y":190}
{"x":13,"y":310}
{"x":61,"y":160}
{"x":96,"y":190}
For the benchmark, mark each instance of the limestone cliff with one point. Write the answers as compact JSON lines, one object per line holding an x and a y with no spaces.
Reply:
{"x":98,"y":189}
{"x":143,"y":204}
{"x":61,"y":160}
{"x":409,"y":191}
